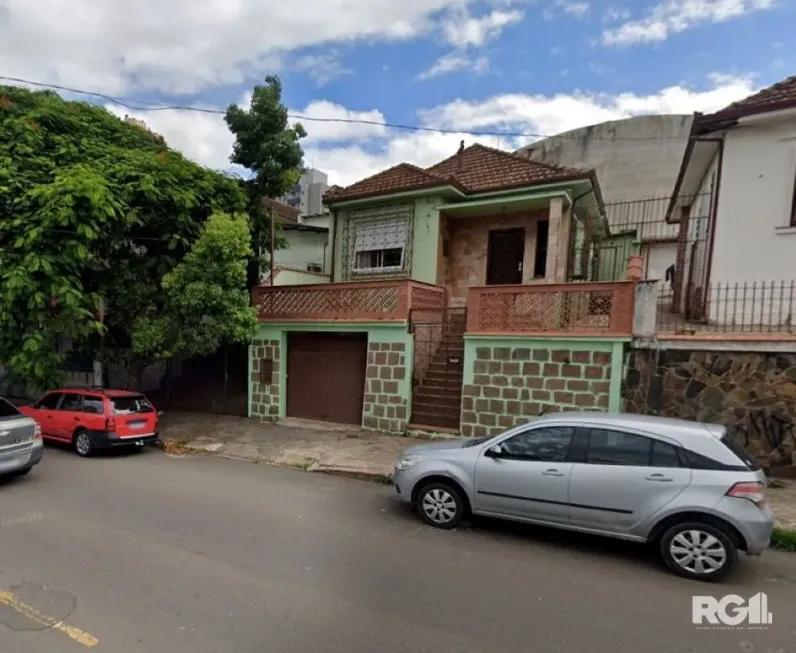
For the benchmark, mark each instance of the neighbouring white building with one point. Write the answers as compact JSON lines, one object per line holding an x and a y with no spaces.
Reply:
{"x":737,"y":253}
{"x":636,"y":160}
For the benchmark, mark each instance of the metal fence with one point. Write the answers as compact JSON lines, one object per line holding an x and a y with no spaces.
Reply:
{"x":759,"y":307}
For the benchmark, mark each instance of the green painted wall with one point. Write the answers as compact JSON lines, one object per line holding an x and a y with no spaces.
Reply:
{"x":508,"y":380}
{"x":425,"y":237}
{"x":613,"y":253}
{"x":298,"y":278}
{"x":392,"y":333}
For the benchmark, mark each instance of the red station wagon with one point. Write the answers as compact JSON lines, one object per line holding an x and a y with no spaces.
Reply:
{"x":94,"y":418}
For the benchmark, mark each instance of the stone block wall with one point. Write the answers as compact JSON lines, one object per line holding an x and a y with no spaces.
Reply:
{"x":386,"y":405}
{"x":753,"y":394}
{"x":265,"y":391}
{"x":512,"y":384}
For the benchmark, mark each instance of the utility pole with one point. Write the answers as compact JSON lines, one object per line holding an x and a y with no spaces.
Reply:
{"x":273,"y":243}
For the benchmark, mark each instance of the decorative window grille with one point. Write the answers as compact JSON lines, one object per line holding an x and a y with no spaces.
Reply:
{"x":380,"y":246}
{"x":377,"y":242}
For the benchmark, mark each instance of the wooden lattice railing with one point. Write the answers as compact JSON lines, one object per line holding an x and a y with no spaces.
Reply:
{"x":354,"y":301}
{"x":572,"y":308}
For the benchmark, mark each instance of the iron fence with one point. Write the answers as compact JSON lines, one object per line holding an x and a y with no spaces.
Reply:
{"x":761,"y":307}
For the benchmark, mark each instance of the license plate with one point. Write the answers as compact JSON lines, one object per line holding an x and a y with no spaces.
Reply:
{"x":136,"y":425}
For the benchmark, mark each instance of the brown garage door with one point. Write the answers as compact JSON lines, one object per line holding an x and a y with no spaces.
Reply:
{"x":326,"y":376}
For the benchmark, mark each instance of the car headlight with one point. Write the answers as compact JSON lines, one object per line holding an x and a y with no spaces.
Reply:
{"x":405,"y":462}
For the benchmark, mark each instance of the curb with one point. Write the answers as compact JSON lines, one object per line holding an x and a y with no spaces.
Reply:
{"x":180,"y":447}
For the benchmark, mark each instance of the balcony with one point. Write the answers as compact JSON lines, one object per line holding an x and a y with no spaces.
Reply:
{"x":573,"y":309}
{"x":366,"y":301}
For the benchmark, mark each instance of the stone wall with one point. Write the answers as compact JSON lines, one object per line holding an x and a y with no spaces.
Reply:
{"x":386,"y":408}
{"x":512,"y":384}
{"x":467,"y":253}
{"x":265,"y":390}
{"x":753,"y":393}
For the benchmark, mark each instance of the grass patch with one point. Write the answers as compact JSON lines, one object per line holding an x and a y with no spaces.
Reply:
{"x":784,"y":540}
{"x":384,"y":479}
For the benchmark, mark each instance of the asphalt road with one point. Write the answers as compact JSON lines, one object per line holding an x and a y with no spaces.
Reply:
{"x":154,"y":554}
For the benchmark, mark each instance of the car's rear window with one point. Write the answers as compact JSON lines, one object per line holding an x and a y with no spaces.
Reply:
{"x":129,"y":405}
{"x":748,"y":459}
{"x":7,"y":409}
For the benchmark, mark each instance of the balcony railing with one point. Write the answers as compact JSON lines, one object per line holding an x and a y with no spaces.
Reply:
{"x":604,"y":309}
{"x":363,"y":301}
{"x":742,"y":308}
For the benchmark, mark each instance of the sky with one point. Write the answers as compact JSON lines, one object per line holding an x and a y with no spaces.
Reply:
{"x":530,"y":67}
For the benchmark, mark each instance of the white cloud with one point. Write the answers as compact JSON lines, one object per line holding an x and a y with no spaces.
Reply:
{"x":322,"y":68}
{"x":348,"y":152}
{"x":566,"y":7}
{"x":674,"y":16}
{"x":463,"y":30}
{"x":184,"y":46}
{"x":548,"y":115}
{"x":613,"y":14}
{"x":456,"y":61}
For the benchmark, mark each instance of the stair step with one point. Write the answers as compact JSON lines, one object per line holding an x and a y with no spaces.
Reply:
{"x":439,"y":388}
{"x":447,"y":412}
{"x":446,"y":401}
{"x":427,"y":419}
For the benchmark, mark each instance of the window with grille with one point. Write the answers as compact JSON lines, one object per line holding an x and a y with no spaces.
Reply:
{"x":380,"y":246}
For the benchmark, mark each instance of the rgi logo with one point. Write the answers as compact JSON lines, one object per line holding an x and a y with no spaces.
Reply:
{"x":730,"y":611}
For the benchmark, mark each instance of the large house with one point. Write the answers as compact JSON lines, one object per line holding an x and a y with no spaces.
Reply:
{"x":467,"y":295}
{"x":735,"y":203}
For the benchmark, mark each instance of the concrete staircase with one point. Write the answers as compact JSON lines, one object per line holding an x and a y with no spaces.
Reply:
{"x":437,"y":399}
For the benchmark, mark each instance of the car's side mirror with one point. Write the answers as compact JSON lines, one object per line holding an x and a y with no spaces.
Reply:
{"x":495,"y":451}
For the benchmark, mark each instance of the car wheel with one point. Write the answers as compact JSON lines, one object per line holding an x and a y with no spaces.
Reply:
{"x":82,"y":443}
{"x":699,"y":551}
{"x":440,"y":505}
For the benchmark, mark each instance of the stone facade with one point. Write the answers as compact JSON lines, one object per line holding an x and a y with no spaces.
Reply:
{"x":386,"y":408}
{"x":510,"y":385}
{"x":754,"y":393}
{"x":265,"y":390}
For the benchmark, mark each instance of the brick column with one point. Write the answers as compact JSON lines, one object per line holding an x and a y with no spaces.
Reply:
{"x":558,"y":241}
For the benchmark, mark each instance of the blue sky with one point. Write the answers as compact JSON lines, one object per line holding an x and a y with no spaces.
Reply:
{"x":540,"y":66}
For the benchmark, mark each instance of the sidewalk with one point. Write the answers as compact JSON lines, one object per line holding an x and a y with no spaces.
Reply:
{"x":333,"y":449}
{"x":308,"y":446}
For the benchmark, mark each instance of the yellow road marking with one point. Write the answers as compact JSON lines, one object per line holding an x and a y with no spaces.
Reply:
{"x":81,"y":637}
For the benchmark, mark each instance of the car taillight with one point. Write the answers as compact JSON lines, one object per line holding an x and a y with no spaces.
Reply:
{"x":37,"y":432}
{"x":110,"y":424}
{"x":751,"y":490}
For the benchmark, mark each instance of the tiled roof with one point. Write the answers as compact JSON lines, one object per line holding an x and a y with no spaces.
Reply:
{"x":781,"y":95}
{"x":284,"y":212}
{"x":472,"y":170}
{"x":399,"y":178}
{"x":479,"y":168}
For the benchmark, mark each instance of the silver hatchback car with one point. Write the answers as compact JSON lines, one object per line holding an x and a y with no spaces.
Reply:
{"x":684,"y":486}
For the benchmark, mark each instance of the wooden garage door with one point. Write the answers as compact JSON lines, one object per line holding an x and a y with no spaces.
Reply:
{"x":326,"y":376}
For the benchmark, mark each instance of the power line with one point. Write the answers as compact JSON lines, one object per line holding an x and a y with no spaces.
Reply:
{"x":155,"y":106}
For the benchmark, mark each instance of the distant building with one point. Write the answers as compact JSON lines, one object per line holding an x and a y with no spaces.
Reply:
{"x":307,"y":195}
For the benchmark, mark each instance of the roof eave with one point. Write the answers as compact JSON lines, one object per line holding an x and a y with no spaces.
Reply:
{"x":409,"y":192}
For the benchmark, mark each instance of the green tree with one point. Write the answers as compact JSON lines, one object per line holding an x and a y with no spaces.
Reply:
{"x":267,"y":146}
{"x":206,"y":303}
{"x":91,"y":207}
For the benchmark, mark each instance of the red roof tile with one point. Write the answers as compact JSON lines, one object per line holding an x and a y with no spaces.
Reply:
{"x":472,"y":170}
{"x":479,"y":168}
{"x":403,"y":177}
{"x":781,"y":95}
{"x":284,"y":212}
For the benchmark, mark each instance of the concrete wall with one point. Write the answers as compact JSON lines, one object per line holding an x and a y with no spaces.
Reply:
{"x":753,"y":241}
{"x":752,"y":393}
{"x":508,"y":381}
{"x":634,"y":158}
{"x":303,"y":248}
{"x":388,"y":385}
